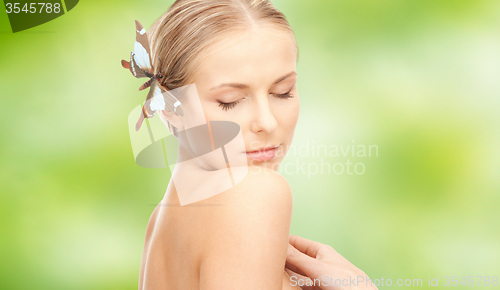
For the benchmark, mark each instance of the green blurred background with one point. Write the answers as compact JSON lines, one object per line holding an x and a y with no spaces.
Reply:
{"x":419,"y":79}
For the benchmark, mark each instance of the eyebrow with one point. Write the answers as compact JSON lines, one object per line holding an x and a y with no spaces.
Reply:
{"x":242,"y":86}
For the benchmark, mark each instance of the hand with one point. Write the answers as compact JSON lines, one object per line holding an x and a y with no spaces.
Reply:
{"x":309,"y":260}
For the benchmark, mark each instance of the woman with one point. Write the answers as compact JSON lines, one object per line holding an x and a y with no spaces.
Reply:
{"x":241,"y":56}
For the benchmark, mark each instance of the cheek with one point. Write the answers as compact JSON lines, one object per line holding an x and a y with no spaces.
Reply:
{"x":289,"y":114}
{"x":211,"y":111}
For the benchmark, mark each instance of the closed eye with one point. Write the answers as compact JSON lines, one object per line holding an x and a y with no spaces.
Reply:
{"x":228,"y":106}
{"x":284,"y":96}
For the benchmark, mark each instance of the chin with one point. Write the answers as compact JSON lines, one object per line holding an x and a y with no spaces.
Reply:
{"x":268,"y":165}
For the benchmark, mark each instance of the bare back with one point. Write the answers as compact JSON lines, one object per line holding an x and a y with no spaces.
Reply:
{"x":174,"y":245}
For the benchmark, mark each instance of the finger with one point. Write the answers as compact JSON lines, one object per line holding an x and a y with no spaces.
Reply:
{"x":293,"y":268}
{"x":314,"y":249}
{"x":308,"y":266}
{"x":298,"y":279}
{"x":306,"y":246}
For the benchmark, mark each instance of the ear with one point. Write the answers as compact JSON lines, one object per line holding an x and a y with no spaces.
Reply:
{"x":173,"y":118}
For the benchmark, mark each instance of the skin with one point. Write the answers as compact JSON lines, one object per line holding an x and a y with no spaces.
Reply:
{"x":237,"y":239}
{"x":251,"y":69}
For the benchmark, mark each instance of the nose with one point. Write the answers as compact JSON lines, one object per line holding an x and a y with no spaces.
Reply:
{"x":264,"y":120}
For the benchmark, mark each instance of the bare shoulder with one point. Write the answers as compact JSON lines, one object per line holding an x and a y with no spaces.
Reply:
{"x":246,"y":231}
{"x":258,"y":184}
{"x":265,"y":192}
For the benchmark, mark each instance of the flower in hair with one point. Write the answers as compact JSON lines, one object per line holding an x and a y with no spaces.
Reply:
{"x":158,"y":99}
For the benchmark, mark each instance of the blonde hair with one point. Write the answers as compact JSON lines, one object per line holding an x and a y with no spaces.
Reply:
{"x":190,"y":26}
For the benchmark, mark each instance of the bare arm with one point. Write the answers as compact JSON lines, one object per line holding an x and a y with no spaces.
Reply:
{"x":246,"y":239}
{"x":147,"y":242}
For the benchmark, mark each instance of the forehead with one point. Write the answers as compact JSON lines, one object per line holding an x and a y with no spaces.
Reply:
{"x":258,"y":55}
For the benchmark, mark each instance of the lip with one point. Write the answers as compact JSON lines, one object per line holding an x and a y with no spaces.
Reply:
{"x":263,"y":154}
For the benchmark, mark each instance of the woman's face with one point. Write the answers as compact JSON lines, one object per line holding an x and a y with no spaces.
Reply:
{"x":250,"y":79}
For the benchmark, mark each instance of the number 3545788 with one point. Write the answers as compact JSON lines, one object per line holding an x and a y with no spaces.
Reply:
{"x":471,"y":281}
{"x":33,"y":8}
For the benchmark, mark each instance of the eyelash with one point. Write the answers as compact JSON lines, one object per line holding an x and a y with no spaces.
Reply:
{"x":228,"y":106}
